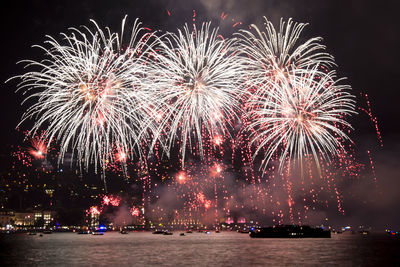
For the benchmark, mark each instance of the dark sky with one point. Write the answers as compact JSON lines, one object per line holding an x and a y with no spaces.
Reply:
{"x":362,"y":35}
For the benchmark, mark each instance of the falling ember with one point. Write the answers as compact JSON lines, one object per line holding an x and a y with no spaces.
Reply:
{"x":218,"y":140}
{"x":372,"y":167}
{"x":121,"y":156}
{"x":115,"y":202}
{"x":106,"y":200}
{"x":135,"y":211}
{"x":207,"y":204}
{"x":111,"y":200}
{"x":94,"y":210}
{"x":39,"y":149}
{"x":218,"y":169}
{"x":37,"y":154}
{"x":181,"y":177}
{"x":236,"y":24}
{"x":373,"y":119}
{"x":200,"y":197}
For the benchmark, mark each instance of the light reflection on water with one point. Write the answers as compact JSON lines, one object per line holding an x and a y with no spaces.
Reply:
{"x":197,"y":249}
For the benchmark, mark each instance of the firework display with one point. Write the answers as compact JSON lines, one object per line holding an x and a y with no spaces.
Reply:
{"x":90,"y":94}
{"x":301,"y":115}
{"x":209,"y":116}
{"x":199,"y":85}
{"x":278,"y":53}
{"x":297,"y":106}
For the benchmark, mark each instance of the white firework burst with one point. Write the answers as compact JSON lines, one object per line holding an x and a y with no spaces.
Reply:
{"x":275,"y":54}
{"x":91,"y":93}
{"x":198,"y":76}
{"x":304,"y":114}
{"x":295,"y":106}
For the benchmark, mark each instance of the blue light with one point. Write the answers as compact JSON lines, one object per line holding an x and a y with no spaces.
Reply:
{"x":102,"y":227}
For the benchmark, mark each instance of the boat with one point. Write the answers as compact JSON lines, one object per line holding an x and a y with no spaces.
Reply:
{"x":97,"y":232}
{"x":158,"y":232}
{"x":290,"y":231}
{"x":189,"y":232}
{"x":393,"y":232}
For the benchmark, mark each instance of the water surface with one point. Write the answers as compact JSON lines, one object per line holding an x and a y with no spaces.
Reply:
{"x":197,"y":249}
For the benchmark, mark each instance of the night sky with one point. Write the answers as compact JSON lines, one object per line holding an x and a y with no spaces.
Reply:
{"x":362,"y":35}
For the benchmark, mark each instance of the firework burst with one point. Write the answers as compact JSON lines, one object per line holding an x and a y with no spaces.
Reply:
{"x":275,"y":54}
{"x":39,"y":148}
{"x":303,"y":114}
{"x":296,"y":105}
{"x":91,"y":93}
{"x":198,"y":77}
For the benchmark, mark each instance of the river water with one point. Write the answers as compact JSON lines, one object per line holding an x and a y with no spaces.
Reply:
{"x":197,"y":249}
